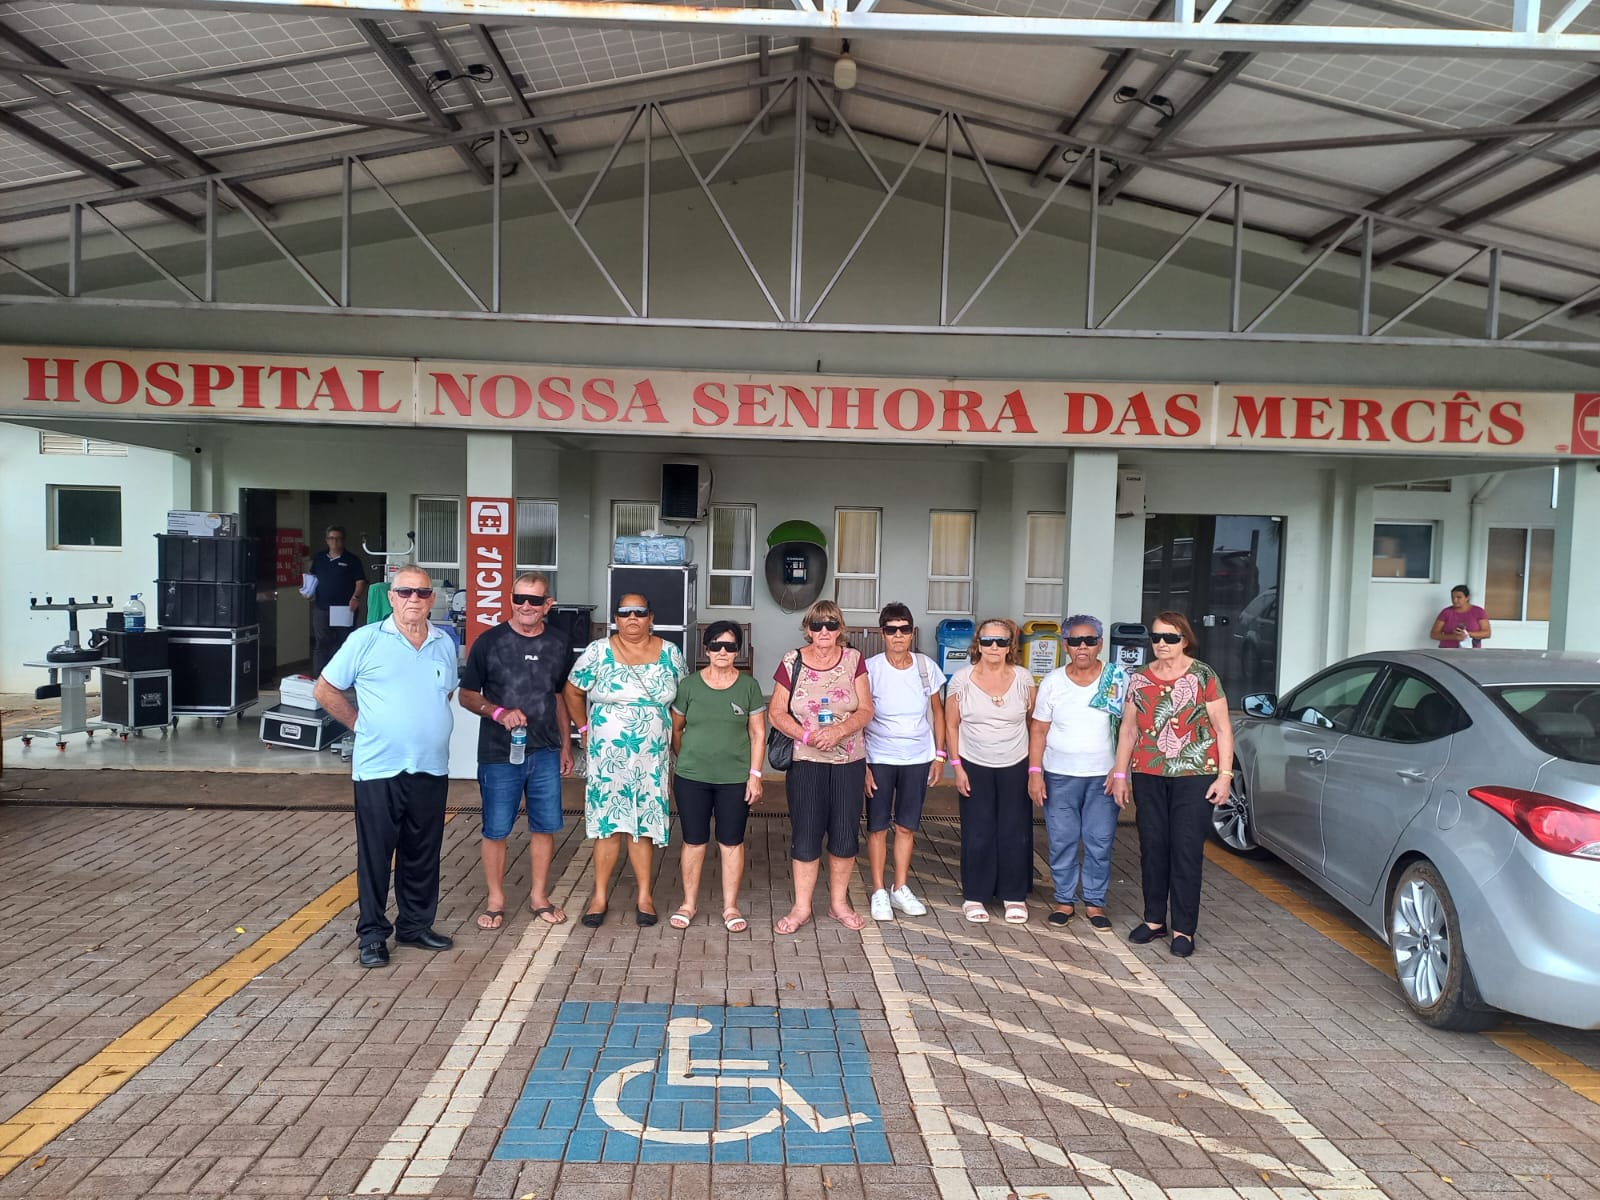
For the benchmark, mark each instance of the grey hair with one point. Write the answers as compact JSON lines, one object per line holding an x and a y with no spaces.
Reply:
{"x":1083,"y":619}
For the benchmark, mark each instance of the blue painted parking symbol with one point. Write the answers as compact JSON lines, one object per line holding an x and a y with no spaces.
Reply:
{"x":699,"y":1083}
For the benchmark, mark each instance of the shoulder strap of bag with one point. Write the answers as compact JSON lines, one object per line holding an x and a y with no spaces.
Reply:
{"x":794,"y":682}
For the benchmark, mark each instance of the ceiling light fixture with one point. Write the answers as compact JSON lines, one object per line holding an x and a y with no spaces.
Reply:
{"x":844,"y":69}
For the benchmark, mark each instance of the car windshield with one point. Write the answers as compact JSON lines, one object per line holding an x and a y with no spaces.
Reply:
{"x":1560,"y":719}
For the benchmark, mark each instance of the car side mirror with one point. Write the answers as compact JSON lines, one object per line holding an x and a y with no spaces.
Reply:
{"x":1262,"y":704}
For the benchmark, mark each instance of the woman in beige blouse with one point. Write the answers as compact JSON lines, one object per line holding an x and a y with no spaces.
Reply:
{"x":986,"y":716}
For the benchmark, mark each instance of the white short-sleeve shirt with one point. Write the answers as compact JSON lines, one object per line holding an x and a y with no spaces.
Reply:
{"x":1079,"y":741}
{"x":901,"y":733}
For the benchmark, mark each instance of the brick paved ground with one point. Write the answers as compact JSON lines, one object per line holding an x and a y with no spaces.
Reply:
{"x":1273,"y":1060}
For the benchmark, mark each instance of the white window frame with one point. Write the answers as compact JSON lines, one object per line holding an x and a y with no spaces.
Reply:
{"x":53,"y":493}
{"x":653,"y":505}
{"x":972,"y":556}
{"x":550,"y":567}
{"x":431,"y":565}
{"x":1433,"y":553}
{"x":716,"y":572}
{"x":1056,"y":581}
{"x":877,"y":558}
{"x":1527,"y":560}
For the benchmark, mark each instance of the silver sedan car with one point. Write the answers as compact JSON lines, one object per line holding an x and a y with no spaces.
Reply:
{"x":1451,"y":800}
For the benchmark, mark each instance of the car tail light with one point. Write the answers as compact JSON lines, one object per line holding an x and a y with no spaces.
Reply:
{"x":1558,"y":826}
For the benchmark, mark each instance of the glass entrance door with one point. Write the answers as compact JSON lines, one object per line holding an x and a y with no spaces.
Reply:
{"x":1222,"y":573}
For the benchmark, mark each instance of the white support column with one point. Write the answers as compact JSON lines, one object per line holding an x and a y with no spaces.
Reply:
{"x":205,"y":476}
{"x":489,"y":465}
{"x":1091,"y":504}
{"x":1349,"y":535}
{"x":1576,"y":575}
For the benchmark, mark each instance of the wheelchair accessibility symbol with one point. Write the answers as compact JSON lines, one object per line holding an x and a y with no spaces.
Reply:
{"x":699,"y":1083}
{"x":714,"y":1073}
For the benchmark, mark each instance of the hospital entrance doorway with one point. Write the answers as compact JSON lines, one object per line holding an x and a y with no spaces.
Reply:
{"x":1221,"y":572}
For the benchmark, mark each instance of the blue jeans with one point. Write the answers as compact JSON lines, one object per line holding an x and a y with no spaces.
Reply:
{"x":1077,"y":812}
{"x":502,"y":786}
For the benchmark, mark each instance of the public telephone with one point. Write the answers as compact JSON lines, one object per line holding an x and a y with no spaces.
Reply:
{"x":794,"y":568}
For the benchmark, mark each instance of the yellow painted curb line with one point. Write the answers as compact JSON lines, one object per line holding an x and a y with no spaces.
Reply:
{"x":85,"y":1087}
{"x":1355,"y":938}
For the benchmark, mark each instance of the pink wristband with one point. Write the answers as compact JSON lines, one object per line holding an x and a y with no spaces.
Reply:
{"x":1119,"y":774}
{"x":955,"y":762}
{"x":497,"y":713}
{"x":940,"y":754}
{"x":806,"y":741}
{"x":755,"y":773}
{"x":583,"y":729}
{"x":1035,"y":770}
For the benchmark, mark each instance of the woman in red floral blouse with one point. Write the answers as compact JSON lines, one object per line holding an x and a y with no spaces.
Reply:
{"x":1170,"y":757}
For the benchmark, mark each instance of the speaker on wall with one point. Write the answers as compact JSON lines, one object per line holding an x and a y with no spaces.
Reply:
{"x":685,"y":491}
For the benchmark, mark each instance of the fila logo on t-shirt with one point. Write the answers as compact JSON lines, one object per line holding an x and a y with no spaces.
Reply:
{"x":530,"y":658}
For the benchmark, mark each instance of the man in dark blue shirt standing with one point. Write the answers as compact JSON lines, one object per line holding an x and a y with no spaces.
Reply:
{"x":341,"y":583}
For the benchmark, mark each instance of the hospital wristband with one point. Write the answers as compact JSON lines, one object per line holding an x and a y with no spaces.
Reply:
{"x":806,"y":741}
{"x":583,"y":729}
{"x":755,"y":772}
{"x":495,"y":716}
{"x":1035,"y":770}
{"x":1119,"y":774}
{"x":940,"y":754}
{"x":955,"y":762}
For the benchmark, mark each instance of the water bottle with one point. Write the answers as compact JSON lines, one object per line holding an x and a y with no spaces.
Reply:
{"x":825,"y":711}
{"x":133,"y":615}
{"x":519,"y":743}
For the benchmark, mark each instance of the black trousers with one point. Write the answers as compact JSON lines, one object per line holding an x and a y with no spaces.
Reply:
{"x":1174,"y":817}
{"x":825,"y":798}
{"x":402,"y":818}
{"x":327,"y":639}
{"x":996,"y":834}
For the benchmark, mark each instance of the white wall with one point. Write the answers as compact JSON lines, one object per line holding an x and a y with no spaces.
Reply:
{"x":152,"y":481}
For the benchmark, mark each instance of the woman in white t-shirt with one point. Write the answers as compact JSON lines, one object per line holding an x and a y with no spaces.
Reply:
{"x":986,"y":730}
{"x":905,"y":756}
{"x":1071,"y":751}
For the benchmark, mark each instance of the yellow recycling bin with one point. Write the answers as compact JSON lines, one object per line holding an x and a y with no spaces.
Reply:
{"x":1041,"y":647}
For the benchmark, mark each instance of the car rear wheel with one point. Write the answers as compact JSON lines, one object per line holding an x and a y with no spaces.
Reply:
{"x":1231,"y":820}
{"x":1429,"y":959}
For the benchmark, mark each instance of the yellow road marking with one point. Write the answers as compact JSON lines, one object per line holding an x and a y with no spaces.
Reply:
{"x":1355,"y":938}
{"x":74,"y":1096}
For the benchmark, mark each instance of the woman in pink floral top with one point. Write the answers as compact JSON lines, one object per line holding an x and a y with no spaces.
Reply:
{"x":1175,"y":738}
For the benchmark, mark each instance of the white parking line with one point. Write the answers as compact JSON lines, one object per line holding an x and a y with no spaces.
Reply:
{"x":420,"y":1148}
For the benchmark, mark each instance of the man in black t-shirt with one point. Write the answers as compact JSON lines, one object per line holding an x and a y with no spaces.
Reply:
{"x":341,"y":583}
{"x":514,"y":678}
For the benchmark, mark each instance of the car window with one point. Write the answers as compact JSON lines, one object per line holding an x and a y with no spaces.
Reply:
{"x":1561,"y":719}
{"x":1332,"y":701}
{"x":1413,"y":709}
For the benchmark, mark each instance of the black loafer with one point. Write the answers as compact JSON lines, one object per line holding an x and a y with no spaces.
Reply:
{"x":1100,"y":921}
{"x":644,"y":919}
{"x":1059,"y":918}
{"x":426,"y":939}
{"x":375,"y":955}
{"x":1141,"y":933}
{"x":593,"y":920}
{"x":1182,"y":945}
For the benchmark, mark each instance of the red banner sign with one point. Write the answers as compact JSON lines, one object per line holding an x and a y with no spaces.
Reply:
{"x":289,"y":548}
{"x":491,"y":561}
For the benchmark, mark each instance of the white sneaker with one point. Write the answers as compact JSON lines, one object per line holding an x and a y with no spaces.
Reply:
{"x":906,"y":901}
{"x":880,"y":906}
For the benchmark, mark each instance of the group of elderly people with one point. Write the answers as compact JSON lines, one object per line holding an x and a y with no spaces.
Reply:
{"x":873,"y":734}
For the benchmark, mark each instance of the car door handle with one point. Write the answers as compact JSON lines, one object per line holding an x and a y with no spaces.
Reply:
{"x":1413,"y":776}
{"x":1317,"y":754}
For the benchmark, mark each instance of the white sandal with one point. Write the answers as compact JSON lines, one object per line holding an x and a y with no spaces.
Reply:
{"x":1016,"y":912}
{"x":975,"y":912}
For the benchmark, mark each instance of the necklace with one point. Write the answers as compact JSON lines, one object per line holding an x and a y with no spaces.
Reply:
{"x":998,"y":701}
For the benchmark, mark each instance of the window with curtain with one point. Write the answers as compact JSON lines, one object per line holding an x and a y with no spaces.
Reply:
{"x":950,"y":553}
{"x":536,"y":537}
{"x":439,"y":532}
{"x":855,"y":570}
{"x":630,"y":518}
{"x":733,"y":560}
{"x":1521,"y":564}
{"x":85,"y":518}
{"x":1043,"y":586}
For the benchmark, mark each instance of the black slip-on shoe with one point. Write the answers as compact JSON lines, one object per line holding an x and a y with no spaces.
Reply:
{"x":1141,"y":933}
{"x":375,"y":955}
{"x":1182,"y":945}
{"x":425,"y":939}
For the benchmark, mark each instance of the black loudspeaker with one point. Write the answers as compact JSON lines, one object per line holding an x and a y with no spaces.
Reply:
{"x":685,"y":491}
{"x":213,"y":670}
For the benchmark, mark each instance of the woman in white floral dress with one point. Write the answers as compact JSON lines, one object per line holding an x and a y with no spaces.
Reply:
{"x":628,"y":683}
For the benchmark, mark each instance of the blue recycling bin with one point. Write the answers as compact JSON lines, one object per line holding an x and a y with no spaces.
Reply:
{"x":954,"y":637}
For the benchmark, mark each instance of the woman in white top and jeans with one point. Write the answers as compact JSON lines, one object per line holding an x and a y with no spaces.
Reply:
{"x":1072,"y":750}
{"x":986,"y":721}
{"x":905,"y":756}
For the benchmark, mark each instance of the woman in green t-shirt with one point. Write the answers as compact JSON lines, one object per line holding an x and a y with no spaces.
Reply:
{"x":719,"y":733}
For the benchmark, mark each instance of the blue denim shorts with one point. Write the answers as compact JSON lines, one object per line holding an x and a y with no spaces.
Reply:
{"x":503,"y":785}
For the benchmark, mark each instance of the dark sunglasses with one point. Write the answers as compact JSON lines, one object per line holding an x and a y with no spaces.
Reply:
{"x":896,"y":630}
{"x":1169,"y":639}
{"x":994,"y":641}
{"x":827,"y":623}
{"x":405,"y":593}
{"x":633,"y":610}
{"x":1081,"y":641}
{"x":523,"y":598}
{"x":723,"y":647}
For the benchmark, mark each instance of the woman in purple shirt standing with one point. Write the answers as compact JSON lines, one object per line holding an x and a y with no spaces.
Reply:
{"x":1462,"y":620}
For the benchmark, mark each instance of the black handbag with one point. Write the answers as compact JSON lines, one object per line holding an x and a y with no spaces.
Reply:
{"x":780,"y":746}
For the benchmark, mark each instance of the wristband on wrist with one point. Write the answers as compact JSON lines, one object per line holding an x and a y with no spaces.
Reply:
{"x":583,"y":729}
{"x":1035,"y":770}
{"x":955,"y":762}
{"x":755,"y":772}
{"x":495,"y":716}
{"x":940,"y":754}
{"x":806,"y":740}
{"x":1119,"y":774}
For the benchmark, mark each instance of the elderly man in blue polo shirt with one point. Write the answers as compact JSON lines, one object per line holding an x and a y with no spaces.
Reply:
{"x":404,"y":672}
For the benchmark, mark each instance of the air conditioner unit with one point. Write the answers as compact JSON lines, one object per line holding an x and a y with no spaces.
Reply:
{"x":685,"y":491}
{"x":1130,"y":492}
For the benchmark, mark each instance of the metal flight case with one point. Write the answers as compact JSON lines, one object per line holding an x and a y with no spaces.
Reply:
{"x":299,"y":728}
{"x":214,"y":671}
